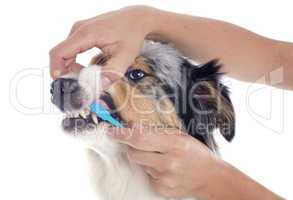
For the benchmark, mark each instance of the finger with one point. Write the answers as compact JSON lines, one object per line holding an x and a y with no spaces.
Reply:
{"x":146,"y":138}
{"x":162,"y":189}
{"x":76,"y":26}
{"x":75,"y":67}
{"x":79,"y":24}
{"x":120,"y":60}
{"x":68,"y":49}
{"x":150,"y":159}
{"x":105,"y":82}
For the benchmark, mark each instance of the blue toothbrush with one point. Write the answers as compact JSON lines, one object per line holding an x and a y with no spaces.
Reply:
{"x":104,"y":114}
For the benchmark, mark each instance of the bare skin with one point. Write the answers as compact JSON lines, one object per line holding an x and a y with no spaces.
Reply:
{"x":245,"y":55}
{"x":181,"y":167}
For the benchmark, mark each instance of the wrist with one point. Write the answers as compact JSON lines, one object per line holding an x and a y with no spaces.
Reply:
{"x":227,"y":182}
{"x":156,"y":23}
{"x":153,"y":20}
{"x":217,"y":180}
{"x":221,"y":178}
{"x":145,"y":18}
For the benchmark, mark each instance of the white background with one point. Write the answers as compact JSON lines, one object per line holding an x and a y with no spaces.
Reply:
{"x":38,"y":162}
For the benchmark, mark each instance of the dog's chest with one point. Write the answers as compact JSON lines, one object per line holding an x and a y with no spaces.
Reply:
{"x":117,"y":179}
{"x":113,"y":176}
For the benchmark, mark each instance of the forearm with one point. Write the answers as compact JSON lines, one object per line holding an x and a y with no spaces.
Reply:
{"x":229,"y":183}
{"x":244,"y":54}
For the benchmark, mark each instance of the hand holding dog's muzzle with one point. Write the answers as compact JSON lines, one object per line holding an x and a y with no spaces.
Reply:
{"x":109,"y":32}
{"x":178,"y":165}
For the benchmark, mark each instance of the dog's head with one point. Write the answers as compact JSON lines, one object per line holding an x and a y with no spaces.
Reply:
{"x":161,"y":88}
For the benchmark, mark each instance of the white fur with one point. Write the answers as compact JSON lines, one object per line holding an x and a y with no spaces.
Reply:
{"x":166,"y":59}
{"x":113,"y":176}
{"x":89,"y":80}
{"x":111,"y":173}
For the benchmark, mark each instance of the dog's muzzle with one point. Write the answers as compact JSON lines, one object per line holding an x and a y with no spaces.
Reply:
{"x":68,"y":96}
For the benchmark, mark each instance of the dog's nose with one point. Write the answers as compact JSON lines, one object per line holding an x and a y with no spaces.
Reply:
{"x":66,"y":94}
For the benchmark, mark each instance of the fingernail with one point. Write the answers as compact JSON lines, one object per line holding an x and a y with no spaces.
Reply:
{"x":105,"y":82}
{"x":56,"y":73}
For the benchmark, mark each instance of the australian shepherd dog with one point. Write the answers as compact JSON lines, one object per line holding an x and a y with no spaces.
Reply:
{"x":162,"y":88}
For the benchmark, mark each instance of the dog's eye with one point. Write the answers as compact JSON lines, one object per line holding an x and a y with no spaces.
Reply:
{"x":135,"y":75}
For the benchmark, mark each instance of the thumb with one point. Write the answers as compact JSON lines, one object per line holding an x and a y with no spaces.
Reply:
{"x":117,"y":65}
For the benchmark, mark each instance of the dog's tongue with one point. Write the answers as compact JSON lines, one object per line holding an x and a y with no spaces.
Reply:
{"x":102,"y":110}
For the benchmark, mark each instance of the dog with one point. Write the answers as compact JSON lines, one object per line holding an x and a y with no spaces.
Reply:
{"x":162,"y":88}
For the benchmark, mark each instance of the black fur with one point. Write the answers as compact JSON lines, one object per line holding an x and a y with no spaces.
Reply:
{"x":200,"y":101}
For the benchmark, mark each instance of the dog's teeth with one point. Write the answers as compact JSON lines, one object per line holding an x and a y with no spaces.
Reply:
{"x":94,"y":117}
{"x":82,"y":114}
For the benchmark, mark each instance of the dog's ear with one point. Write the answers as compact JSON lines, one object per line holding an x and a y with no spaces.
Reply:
{"x":226,"y":115}
{"x":212,"y":98}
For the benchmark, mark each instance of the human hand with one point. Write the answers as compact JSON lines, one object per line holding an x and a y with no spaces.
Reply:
{"x":119,"y":34}
{"x":177,"y":164}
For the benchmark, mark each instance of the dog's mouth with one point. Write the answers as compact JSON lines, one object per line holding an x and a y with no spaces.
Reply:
{"x":87,"y":120}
